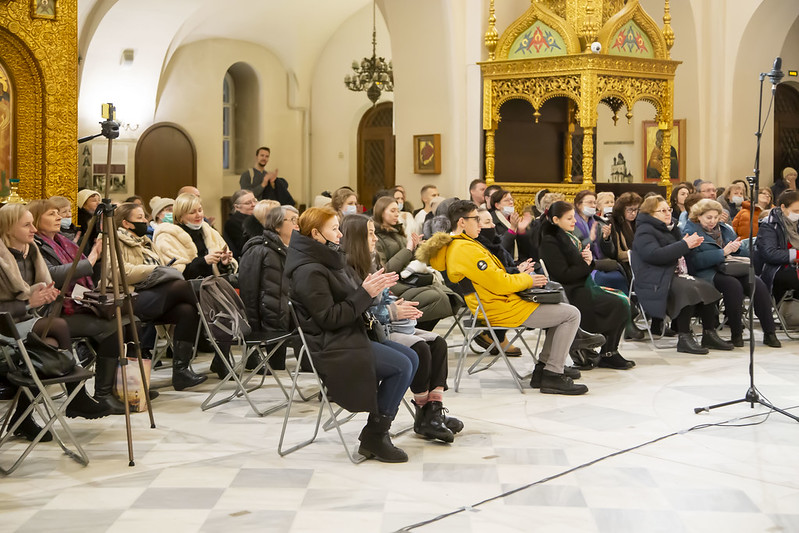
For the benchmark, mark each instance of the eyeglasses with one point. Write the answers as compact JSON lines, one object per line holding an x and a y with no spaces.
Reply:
{"x":631,"y":210}
{"x":664,"y":211}
{"x":473,"y":218}
{"x":293,"y":220}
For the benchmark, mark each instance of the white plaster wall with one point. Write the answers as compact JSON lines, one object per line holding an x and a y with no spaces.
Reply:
{"x":192,"y":98}
{"x":335,"y":110}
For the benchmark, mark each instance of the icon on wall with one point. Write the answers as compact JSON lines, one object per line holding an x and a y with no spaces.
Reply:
{"x":427,"y":154}
{"x":43,"y":9}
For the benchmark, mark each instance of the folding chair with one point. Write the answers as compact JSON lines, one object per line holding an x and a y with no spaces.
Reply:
{"x":642,"y":314}
{"x":788,"y":296}
{"x":480,"y":323}
{"x":458,"y":318}
{"x":35,"y":389}
{"x":324,"y":404}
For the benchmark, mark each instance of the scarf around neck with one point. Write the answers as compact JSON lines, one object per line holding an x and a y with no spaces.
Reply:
{"x":791,"y":230}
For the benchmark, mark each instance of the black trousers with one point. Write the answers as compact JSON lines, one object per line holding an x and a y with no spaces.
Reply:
{"x":733,"y":290}
{"x":173,"y":302}
{"x":786,"y":279}
{"x":432,"y":371}
{"x":708,"y":313}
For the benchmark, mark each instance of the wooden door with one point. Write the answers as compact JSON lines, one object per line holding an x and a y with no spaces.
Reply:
{"x":786,"y":129}
{"x":165,"y":161}
{"x":376,"y":160}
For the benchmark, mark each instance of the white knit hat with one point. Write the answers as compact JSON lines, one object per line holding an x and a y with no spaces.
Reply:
{"x":158,"y":204}
{"x":84,"y":195}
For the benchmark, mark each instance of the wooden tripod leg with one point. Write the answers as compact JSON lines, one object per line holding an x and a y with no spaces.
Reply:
{"x":109,"y":244}
{"x":128,"y":302}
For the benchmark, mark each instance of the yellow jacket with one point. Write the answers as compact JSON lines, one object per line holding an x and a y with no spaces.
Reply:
{"x":463,"y":257}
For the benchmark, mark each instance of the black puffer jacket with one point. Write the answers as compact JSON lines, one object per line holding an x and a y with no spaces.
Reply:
{"x":330,"y":306}
{"x":233,"y":233}
{"x":262,"y":284}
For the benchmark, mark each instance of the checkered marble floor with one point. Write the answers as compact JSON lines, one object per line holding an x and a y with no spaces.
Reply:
{"x":218,"y":470}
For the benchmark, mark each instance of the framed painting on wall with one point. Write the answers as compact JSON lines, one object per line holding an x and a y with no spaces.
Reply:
{"x":427,"y":154}
{"x":653,"y":150}
{"x":43,"y":9}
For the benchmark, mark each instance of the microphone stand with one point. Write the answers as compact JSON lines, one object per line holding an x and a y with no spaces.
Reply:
{"x":753,"y":395}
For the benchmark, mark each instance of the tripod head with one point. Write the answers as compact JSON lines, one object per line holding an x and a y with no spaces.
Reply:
{"x":109,"y":127}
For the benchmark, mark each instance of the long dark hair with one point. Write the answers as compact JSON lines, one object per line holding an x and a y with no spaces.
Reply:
{"x":674,"y":192}
{"x":557,"y":209}
{"x":355,"y":244}
{"x":617,"y":220}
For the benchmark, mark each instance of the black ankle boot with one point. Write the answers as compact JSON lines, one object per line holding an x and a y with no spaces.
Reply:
{"x":375,"y":441}
{"x":218,"y":366}
{"x":585,"y":340}
{"x":770,"y":339}
{"x":84,"y":406}
{"x":183,"y":376}
{"x":538,"y":372}
{"x":28,"y":428}
{"x":686,"y":343}
{"x":711,"y":339}
{"x":737,"y":339}
{"x":105,"y":372}
{"x":615,"y":361}
{"x":552,"y":383}
{"x":429,"y":422}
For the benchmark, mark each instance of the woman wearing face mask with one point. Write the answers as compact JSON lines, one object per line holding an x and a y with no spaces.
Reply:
{"x":733,"y":198}
{"x":396,"y":253}
{"x":361,"y":375}
{"x":344,"y":201}
{"x":406,"y":217}
{"x":604,"y":205}
{"x":706,"y":260}
{"x":777,"y":244}
{"x":172,"y":302}
{"x":570,"y":263}
{"x":161,"y":209}
{"x":662,"y":282}
{"x":59,"y":252}
{"x":243,"y":205}
{"x":68,"y":229}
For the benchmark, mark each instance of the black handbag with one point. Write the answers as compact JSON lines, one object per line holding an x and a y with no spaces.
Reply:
{"x":418,"y":279}
{"x":48,"y":361}
{"x":103,"y":306}
{"x":159,"y":275}
{"x":376,"y":331}
{"x":541,"y":295}
{"x":734,"y":266}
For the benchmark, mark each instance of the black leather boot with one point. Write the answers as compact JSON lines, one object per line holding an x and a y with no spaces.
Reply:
{"x":28,"y":428}
{"x":430,"y":424}
{"x":376,"y":443}
{"x":686,"y":343}
{"x":218,"y":366}
{"x":84,"y":406}
{"x":552,"y":383}
{"x":105,"y":371}
{"x":183,"y":376}
{"x":711,"y":339}
{"x":615,"y":361}
{"x":737,"y":336}
{"x":770,"y":339}
{"x":538,"y":372}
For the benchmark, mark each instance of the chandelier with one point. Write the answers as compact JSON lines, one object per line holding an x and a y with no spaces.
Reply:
{"x":373,"y":75}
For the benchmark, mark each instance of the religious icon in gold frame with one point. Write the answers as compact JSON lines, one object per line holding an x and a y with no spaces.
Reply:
{"x":43,"y":9}
{"x":427,"y":154}
{"x":653,"y":151}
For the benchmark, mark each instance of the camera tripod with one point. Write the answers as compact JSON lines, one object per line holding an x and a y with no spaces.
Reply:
{"x":111,"y":265}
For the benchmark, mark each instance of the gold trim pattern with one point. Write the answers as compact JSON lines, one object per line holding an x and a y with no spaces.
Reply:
{"x":537,"y":11}
{"x":41,"y":58}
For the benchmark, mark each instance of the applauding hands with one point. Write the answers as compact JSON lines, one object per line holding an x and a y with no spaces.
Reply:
{"x":376,"y":282}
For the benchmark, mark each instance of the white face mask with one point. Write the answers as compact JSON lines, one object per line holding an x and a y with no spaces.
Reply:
{"x":507,"y":210}
{"x":589,"y":211}
{"x":737,"y":200}
{"x":400,"y":205}
{"x":793,"y":217}
{"x":608,"y":211}
{"x":350,"y":209}
{"x":193,"y":226}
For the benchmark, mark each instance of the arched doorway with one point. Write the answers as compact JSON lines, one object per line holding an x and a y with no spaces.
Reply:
{"x":376,"y":162}
{"x":786,"y":128}
{"x":165,"y":161}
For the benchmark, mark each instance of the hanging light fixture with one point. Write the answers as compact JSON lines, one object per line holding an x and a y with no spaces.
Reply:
{"x":373,"y":75}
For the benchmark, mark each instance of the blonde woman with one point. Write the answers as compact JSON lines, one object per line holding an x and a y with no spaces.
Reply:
{"x":197,"y":248}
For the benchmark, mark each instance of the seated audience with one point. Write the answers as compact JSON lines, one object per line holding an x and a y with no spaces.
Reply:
{"x":254,"y":224}
{"x":428,"y":193}
{"x":570,"y":263}
{"x":622,"y":228}
{"x":360,"y":374}
{"x":741,"y":221}
{"x":64,"y":206}
{"x":358,"y":243}
{"x":87,"y":203}
{"x":264,"y":288}
{"x":662,"y":284}
{"x":171,"y":302}
{"x":58,"y":253}
{"x":161,"y":211}
{"x":135,"y":199}
{"x":463,"y":258}
{"x":604,"y":205}
{"x":243,"y":202}
{"x":678,"y":195}
{"x":508,"y":220}
{"x":786,"y":183}
{"x":491,"y":189}
{"x":733,"y":198}
{"x":406,"y":217}
{"x":477,"y":189}
{"x":344,"y":201}
{"x":396,"y":253}
{"x":690,"y":201}
{"x":707,"y":261}
{"x":777,"y":244}
{"x":25,"y":287}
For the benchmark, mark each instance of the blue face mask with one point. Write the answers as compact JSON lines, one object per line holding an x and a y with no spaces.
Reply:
{"x":66,"y":223}
{"x":167,"y":218}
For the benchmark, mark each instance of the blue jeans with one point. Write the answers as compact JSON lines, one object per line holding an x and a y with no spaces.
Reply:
{"x":395,"y":366}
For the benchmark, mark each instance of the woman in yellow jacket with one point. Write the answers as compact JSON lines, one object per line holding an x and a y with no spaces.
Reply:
{"x":462,"y":257}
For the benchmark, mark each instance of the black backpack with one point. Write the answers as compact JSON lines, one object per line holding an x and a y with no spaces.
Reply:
{"x":223,"y":310}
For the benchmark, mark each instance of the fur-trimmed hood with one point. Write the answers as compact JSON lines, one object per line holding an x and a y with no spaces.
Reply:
{"x":433,"y":251}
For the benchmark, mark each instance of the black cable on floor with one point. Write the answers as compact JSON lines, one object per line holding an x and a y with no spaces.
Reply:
{"x":726,"y":423}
